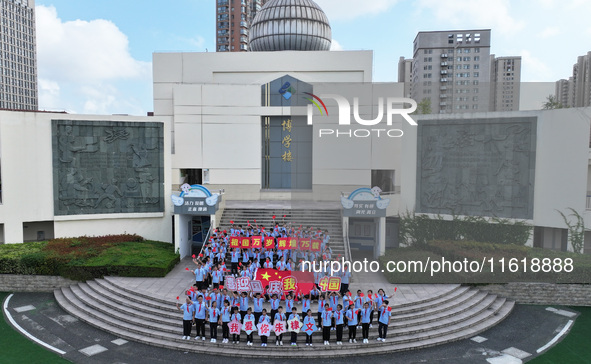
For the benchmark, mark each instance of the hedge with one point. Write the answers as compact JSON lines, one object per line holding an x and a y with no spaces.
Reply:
{"x":85,"y":258}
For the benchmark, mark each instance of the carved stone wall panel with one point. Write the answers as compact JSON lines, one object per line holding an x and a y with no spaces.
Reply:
{"x":102,"y":167}
{"x":479,"y":167}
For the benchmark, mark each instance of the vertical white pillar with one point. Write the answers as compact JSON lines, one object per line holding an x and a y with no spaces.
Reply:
{"x":381,"y":243}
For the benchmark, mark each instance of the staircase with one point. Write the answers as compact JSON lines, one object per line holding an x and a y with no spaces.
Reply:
{"x":456,"y":314}
{"x":323,"y":219}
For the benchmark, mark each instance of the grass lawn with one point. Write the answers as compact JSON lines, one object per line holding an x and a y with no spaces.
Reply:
{"x":575,"y":348}
{"x":15,"y":348}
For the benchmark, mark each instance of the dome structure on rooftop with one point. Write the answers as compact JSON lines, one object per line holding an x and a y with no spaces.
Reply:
{"x":290,"y":25}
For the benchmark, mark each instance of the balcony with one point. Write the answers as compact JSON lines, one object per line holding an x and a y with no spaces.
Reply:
{"x":444,"y":55}
{"x":444,"y":72}
{"x":443,"y":96}
{"x":443,"y":88}
{"x":443,"y":103}
{"x":444,"y":79}
{"x":443,"y":64}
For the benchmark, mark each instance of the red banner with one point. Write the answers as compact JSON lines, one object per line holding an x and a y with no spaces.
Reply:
{"x":305,"y":244}
{"x":316,"y":245}
{"x":269,"y":242}
{"x":293,"y":243}
{"x":234,"y":242}
{"x":256,"y":242}
{"x":282,"y":243}
{"x":303,"y":281}
{"x":244,"y":242}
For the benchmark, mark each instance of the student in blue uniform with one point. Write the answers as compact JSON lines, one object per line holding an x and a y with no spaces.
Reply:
{"x":236,"y":316}
{"x":352,"y":322}
{"x":321,"y":303}
{"x":249,"y":316}
{"x":274,"y":306}
{"x":225,"y":316}
{"x":264,"y":318}
{"x":339,"y":318}
{"x":326,"y":323}
{"x":214,"y":317}
{"x":309,"y":319}
{"x":365,"y":321}
{"x":384,"y":321}
{"x":258,"y":306}
{"x":188,"y":317}
{"x":243,"y":305}
{"x":200,"y":315}
{"x":279,"y":316}
{"x":294,"y":335}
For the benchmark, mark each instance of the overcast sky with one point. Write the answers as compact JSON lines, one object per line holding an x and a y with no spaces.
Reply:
{"x":95,"y":56}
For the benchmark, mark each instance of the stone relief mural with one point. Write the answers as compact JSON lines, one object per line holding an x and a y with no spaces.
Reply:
{"x":107,"y":167}
{"x":480,"y":167}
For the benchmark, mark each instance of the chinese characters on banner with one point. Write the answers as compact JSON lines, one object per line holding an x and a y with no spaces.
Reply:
{"x":279,"y":327}
{"x":287,"y":141}
{"x":330,"y":284}
{"x":234,"y":242}
{"x":269,"y":242}
{"x":256,"y":242}
{"x":230,"y":283}
{"x":275,"y":288}
{"x":235,"y":327}
{"x":244,"y":242}
{"x":243,"y":284}
{"x":289,"y":284}
{"x":294,"y":325}
{"x":293,"y":243}
{"x":264,"y":329}
{"x":316,"y":245}
{"x":257,"y":287}
{"x":248,"y":326}
{"x":282,"y":243}
{"x":305,"y":244}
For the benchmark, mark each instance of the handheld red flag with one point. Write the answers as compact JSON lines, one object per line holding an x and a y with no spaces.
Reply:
{"x":361,"y":295}
{"x":177,"y":297}
{"x":200,"y":255}
{"x":389,"y":309}
{"x":273,"y":217}
{"x":232,"y":222}
{"x":186,"y":268}
{"x":221,"y":287}
{"x":193,"y":256}
{"x":395,"y":288}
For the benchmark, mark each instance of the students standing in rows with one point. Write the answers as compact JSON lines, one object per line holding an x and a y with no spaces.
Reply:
{"x":249,"y":316}
{"x":339,"y":318}
{"x":294,"y":335}
{"x":279,"y":316}
{"x":235,"y":316}
{"x":258,"y":306}
{"x":365,"y":321}
{"x":274,"y":307}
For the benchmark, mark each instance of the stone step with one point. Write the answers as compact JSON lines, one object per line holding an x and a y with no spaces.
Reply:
{"x":460,"y":294}
{"x":152,"y":336}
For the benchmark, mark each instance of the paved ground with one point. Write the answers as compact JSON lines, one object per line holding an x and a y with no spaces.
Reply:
{"x":528,"y":328}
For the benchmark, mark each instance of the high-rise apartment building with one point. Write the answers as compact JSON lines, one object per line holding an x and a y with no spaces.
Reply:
{"x":505,"y":78}
{"x":405,"y":75}
{"x":233,"y":19}
{"x":18,"y":55}
{"x":576,"y":91}
{"x":454,"y":70}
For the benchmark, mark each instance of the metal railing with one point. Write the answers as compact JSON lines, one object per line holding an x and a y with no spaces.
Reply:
{"x":346,"y":242}
{"x":205,"y":240}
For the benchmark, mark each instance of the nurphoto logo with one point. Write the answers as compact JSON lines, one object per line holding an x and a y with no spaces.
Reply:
{"x":386,"y":107}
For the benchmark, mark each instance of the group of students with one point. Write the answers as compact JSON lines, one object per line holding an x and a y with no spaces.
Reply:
{"x":335,"y":313}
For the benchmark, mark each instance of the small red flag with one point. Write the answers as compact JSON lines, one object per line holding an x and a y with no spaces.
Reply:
{"x":225,"y":231}
{"x":225,"y":270}
{"x":200,"y":255}
{"x":395,"y":288}
{"x":284,"y":216}
{"x":231,"y":221}
{"x":177,"y":297}
{"x":188,"y":293}
{"x":255,"y":221}
{"x":329,"y":309}
{"x":273,"y":217}
{"x":186,"y":268}
{"x":222,"y":287}
{"x":240,"y":264}
{"x":389,"y":309}
{"x":208,"y":298}
{"x":193,"y":256}
{"x":361,"y":295}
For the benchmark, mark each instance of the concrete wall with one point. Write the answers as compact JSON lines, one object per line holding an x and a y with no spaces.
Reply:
{"x":27,"y":183}
{"x":543,"y":293}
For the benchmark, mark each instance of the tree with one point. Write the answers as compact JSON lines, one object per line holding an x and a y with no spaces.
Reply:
{"x":423,"y":107}
{"x":552,"y":103}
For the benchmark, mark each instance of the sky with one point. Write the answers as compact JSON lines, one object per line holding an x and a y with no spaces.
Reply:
{"x":95,"y":57}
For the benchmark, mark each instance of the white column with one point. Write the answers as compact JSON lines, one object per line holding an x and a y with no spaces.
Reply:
{"x":381,"y":243}
{"x":181,"y":234}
